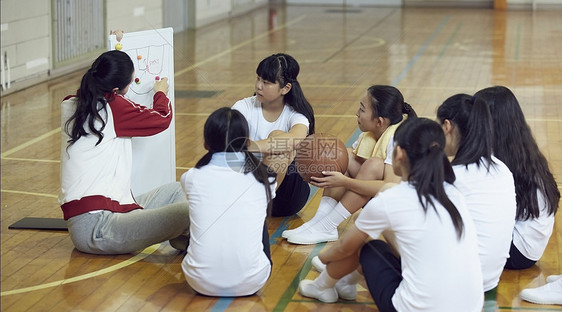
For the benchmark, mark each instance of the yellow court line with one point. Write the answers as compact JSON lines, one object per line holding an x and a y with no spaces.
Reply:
{"x":238,"y":46}
{"x":31,"y":159}
{"x":29,"y":193}
{"x":30,"y":142}
{"x":143,"y":254}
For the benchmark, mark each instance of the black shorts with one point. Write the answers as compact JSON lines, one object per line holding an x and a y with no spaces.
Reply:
{"x":292,"y":194}
{"x":517,"y":261}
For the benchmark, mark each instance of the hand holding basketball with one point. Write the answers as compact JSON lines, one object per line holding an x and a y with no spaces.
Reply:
{"x":320,"y":152}
{"x":329,"y":179}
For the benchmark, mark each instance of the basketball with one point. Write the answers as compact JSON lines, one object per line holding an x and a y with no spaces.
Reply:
{"x":320,"y":152}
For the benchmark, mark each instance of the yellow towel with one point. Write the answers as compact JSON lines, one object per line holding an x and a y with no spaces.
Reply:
{"x":368,"y":146}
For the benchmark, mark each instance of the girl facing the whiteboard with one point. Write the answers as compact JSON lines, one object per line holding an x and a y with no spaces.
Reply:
{"x":229,"y":193}
{"x":96,"y":164}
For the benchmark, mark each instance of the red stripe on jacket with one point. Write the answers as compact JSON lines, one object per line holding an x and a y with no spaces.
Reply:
{"x":94,"y":202}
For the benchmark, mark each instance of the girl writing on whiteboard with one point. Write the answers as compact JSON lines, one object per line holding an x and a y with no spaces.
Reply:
{"x":229,"y":193}
{"x":279,"y":117}
{"x":429,"y":261}
{"x":96,"y":163}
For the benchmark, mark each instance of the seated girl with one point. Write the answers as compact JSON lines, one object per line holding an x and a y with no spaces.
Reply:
{"x":230,"y":192}
{"x":484,"y":180}
{"x":380,"y":112}
{"x":430,"y":262}
{"x":535,"y":187}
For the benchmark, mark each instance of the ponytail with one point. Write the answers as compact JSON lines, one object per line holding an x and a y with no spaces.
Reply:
{"x":295,"y":98}
{"x":409,"y":110}
{"x":472,"y":118}
{"x":226,"y":130}
{"x":423,"y":141}
{"x":112,"y":69}
{"x":262,"y":173}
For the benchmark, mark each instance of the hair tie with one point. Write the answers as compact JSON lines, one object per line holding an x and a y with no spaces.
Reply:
{"x":434,"y":146}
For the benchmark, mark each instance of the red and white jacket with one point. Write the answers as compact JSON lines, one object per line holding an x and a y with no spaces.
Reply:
{"x":99,"y":177}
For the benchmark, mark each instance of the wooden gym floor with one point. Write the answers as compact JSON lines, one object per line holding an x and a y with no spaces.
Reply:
{"x":429,"y":54}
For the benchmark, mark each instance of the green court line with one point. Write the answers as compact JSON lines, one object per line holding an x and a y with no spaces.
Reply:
{"x":534,"y":309}
{"x":340,"y":302}
{"x":287,"y":296}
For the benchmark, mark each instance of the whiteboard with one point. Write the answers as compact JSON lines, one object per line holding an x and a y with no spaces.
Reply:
{"x":152,"y":53}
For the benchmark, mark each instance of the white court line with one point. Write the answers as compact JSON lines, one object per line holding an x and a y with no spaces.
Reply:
{"x":143,"y":254}
{"x":30,"y":142}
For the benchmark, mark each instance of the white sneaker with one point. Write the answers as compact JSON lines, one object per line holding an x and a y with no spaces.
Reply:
{"x":552,"y":278}
{"x":308,"y":289}
{"x":550,"y":293}
{"x":310,"y":237}
{"x":317,"y":264}
{"x":288,"y":233}
{"x":346,"y":291}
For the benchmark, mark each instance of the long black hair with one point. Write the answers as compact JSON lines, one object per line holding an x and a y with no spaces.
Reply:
{"x":472,"y":118}
{"x":388,"y":102}
{"x":284,"y":69}
{"x":226,"y":130}
{"x":515,"y":145}
{"x":423,"y":141}
{"x":112,"y":69}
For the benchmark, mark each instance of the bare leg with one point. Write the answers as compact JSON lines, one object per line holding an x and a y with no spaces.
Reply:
{"x":371,"y":169}
{"x":341,"y":268}
{"x":323,"y":226}
{"x":354,"y":163}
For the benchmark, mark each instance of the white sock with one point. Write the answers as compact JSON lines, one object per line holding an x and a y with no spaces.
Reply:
{"x":326,"y":205}
{"x":324,"y":280}
{"x":331,"y":221}
{"x":351,"y":278}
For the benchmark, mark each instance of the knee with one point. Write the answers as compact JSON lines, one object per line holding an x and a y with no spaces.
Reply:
{"x":178,"y":195}
{"x":372,"y":168}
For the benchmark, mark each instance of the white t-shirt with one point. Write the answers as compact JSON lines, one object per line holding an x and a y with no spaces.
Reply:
{"x":440,"y":272}
{"x":260,"y":128}
{"x":531,"y":236}
{"x":490,"y":198}
{"x":227,"y":211}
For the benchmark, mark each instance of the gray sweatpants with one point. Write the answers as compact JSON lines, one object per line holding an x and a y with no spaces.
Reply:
{"x":165,"y":216}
